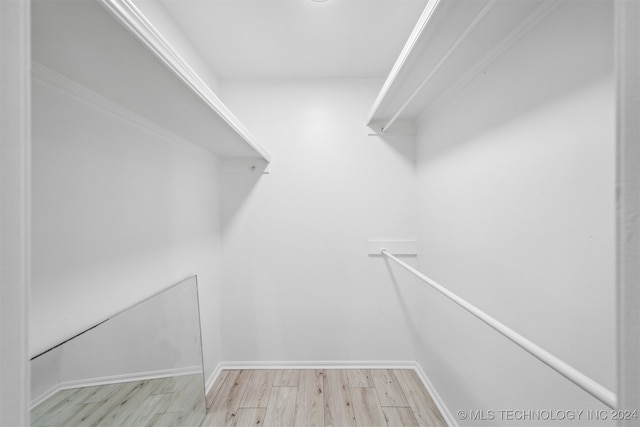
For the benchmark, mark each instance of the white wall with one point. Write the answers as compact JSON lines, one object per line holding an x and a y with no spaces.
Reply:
{"x":298,"y":284}
{"x":119,"y":213}
{"x":517,"y":207}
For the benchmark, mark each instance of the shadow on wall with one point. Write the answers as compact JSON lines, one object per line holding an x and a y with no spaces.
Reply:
{"x":243,"y":184}
{"x":411,"y":292}
{"x":541,"y":69}
{"x":401,"y":138}
{"x":404,"y":298}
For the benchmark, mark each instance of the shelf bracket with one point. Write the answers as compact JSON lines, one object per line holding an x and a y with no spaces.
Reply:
{"x":249,"y":165}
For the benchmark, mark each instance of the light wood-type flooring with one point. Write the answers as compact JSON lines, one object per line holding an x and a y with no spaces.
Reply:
{"x":320,"y":397}
{"x":172,"y":401}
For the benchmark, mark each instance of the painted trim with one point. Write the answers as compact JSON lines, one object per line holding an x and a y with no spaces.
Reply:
{"x":318,"y":364}
{"x":49,"y":79}
{"x":15,"y":212}
{"x":444,"y":410}
{"x":135,"y":376}
{"x":35,"y":401}
{"x":532,"y":20}
{"x":133,"y":19}
{"x":115,"y":379}
{"x":407,"y":50}
{"x":450,"y":51}
{"x":522,"y":29}
{"x":208,"y":385}
{"x":627,"y":65}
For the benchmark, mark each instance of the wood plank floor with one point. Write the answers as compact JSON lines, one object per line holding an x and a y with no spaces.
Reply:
{"x":321,"y":397}
{"x":171,"y":401}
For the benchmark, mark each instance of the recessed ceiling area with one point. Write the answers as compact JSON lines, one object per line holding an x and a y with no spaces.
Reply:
{"x":297,"y":38}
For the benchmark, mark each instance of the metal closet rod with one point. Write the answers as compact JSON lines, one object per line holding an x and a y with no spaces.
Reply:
{"x":595,"y":389}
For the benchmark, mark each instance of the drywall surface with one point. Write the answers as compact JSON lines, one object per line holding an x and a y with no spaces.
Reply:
{"x":517,"y":215}
{"x":298,"y":283}
{"x":120,"y":212}
{"x":45,"y":376}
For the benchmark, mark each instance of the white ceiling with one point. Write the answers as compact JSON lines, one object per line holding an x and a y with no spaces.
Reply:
{"x":297,"y":38}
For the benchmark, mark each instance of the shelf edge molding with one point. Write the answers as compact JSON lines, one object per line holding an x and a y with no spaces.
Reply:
{"x":132,"y":18}
{"x":416,"y":33}
{"x":403,"y":86}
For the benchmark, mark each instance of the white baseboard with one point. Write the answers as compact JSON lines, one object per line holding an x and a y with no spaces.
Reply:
{"x":303,"y":365}
{"x":35,"y":401}
{"x":450,"y":420}
{"x":319,"y":364}
{"x":114,"y":379}
{"x":212,"y":379}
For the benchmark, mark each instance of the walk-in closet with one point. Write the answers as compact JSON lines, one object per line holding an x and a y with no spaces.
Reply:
{"x":320,"y":213}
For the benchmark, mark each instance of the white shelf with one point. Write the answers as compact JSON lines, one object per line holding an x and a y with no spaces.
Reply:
{"x":136,"y":69}
{"x":452,"y":43}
